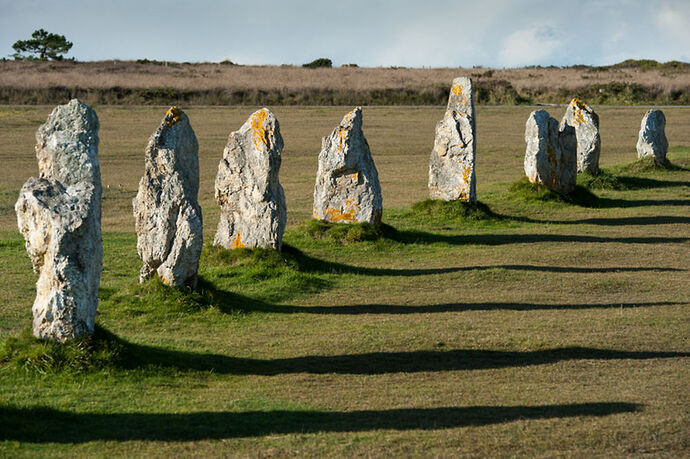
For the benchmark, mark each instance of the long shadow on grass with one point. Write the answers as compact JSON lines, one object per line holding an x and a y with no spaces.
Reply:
{"x":437,"y":308}
{"x":374,"y":363}
{"x":423,"y":237}
{"x":609,"y":203}
{"x":311,"y":264}
{"x":48,"y":425}
{"x":621,"y":221}
{"x":641,"y":183}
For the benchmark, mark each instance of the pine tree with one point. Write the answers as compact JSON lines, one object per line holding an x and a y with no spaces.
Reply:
{"x":42,"y":46}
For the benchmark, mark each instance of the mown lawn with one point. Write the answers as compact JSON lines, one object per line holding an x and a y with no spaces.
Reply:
{"x":528,"y":326}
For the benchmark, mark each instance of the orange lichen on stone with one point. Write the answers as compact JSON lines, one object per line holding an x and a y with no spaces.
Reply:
{"x":237,"y":243}
{"x":342,"y":137}
{"x":347,"y":215}
{"x":259,"y":132}
{"x":456,"y":90}
{"x":165,"y":281}
{"x":172,"y":116}
{"x":578,"y":106}
{"x":467,"y":171}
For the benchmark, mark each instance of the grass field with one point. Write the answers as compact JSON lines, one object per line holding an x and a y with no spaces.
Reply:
{"x":538,"y":328}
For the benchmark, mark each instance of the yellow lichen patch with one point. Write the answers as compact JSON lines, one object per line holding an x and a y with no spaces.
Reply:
{"x":237,"y":243}
{"x":342,"y":137}
{"x":165,"y":281}
{"x":172,"y":116}
{"x":578,"y":106}
{"x":346,"y":215}
{"x":463,"y":192}
{"x":456,"y":90}
{"x":259,"y":132}
{"x":467,"y":171}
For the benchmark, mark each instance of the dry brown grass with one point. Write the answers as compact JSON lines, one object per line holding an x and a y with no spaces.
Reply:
{"x":535,"y":84}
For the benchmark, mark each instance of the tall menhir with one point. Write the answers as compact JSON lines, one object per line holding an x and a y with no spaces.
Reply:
{"x":59,"y":215}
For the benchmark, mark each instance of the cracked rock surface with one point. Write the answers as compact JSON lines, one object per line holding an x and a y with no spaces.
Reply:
{"x":167,"y":214}
{"x":347,"y":186}
{"x":586,"y":124}
{"x":551,"y":154}
{"x":59,"y":215}
{"x":652,"y":138}
{"x":253,"y":212}
{"x":452,"y":162}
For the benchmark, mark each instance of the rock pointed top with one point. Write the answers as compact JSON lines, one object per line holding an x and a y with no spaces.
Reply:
{"x":579,"y":110}
{"x":461,"y":97}
{"x":265,"y":130}
{"x":67,"y":144}
{"x":353,"y":119}
{"x":348,"y":135}
{"x":175,"y":120}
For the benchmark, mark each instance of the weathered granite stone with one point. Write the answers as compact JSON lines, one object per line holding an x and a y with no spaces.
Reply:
{"x":166,"y":209}
{"x":347,"y":186}
{"x":586,"y":123}
{"x":451,"y":165}
{"x":652,"y":139}
{"x":551,"y":155}
{"x":251,"y":199}
{"x":461,"y":99}
{"x":59,"y":215}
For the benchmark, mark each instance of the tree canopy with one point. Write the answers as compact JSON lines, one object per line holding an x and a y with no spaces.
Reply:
{"x":43,"y":45}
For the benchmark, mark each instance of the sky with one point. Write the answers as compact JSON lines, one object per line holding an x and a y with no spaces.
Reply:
{"x":423,"y":33}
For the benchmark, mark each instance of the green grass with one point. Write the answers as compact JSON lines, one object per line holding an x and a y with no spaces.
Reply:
{"x":524,"y":190}
{"x":344,"y":233}
{"x":517,"y":327}
{"x":101,"y":352}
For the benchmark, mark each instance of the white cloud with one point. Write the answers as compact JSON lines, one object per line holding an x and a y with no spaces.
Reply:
{"x":673,"y":21}
{"x":529,"y":46}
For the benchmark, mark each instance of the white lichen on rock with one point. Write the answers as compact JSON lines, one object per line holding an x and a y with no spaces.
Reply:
{"x":652,"y":140}
{"x":347,"y":186}
{"x":551,"y":154}
{"x":252,"y":202}
{"x":59,"y":215}
{"x":166,"y":208}
{"x":452,"y":162}
{"x":586,"y":123}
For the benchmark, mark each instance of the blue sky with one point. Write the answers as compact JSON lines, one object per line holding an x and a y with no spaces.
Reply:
{"x":431,"y":33}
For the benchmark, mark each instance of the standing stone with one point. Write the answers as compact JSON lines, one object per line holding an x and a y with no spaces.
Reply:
{"x":166,"y":209}
{"x":59,"y":215}
{"x":551,"y":155}
{"x":586,"y":123}
{"x":347,"y":186}
{"x":451,"y":166}
{"x":251,"y":199}
{"x":652,"y":139}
